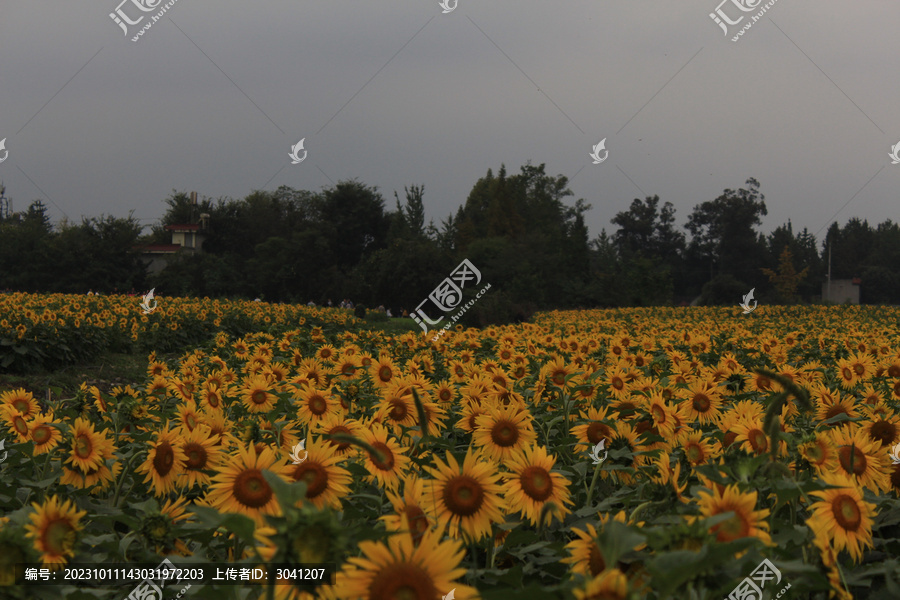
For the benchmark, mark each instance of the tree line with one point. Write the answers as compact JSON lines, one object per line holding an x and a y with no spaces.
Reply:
{"x":518,"y":229}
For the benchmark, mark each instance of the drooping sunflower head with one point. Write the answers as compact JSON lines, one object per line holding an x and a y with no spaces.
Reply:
{"x":54,"y":528}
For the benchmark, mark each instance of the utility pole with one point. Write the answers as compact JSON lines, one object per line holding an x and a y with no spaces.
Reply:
{"x":829,"y":271}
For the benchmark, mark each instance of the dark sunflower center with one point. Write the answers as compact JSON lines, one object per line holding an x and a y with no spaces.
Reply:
{"x":41,"y":434}
{"x":21,"y":405}
{"x":384,"y":465}
{"x":855,"y":464}
{"x":317,"y":404}
{"x":595,"y":560}
{"x":463,"y":495}
{"x":815,"y":453}
{"x":20,"y":425}
{"x":504,"y":433}
{"x":846,"y":512}
{"x":618,"y":382}
{"x":597,"y":432}
{"x":847,"y":373}
{"x":733,"y":528}
{"x":315,"y":477}
{"x":658,"y":413}
{"x":559,"y":377}
{"x":694,"y":453}
{"x":728,"y":439}
{"x":701,"y":402}
{"x":836,"y":409}
{"x":883,"y":431}
{"x":398,"y":410}
{"x":259,"y":397}
{"x":164,"y":459}
{"x":340,"y":429}
{"x":385,"y":373}
{"x":58,"y":536}
{"x":758,"y":440}
{"x":402,"y":581}
{"x":537,"y":483}
{"x":416,"y":520}
{"x":860,"y":369}
{"x":196,"y":455}
{"x":83,"y":446}
{"x":251,"y":489}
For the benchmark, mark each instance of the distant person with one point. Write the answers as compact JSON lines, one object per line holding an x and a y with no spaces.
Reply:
{"x":310,"y":303}
{"x":405,"y":314}
{"x":329,"y":302}
{"x":90,"y":292}
{"x":390,"y":316}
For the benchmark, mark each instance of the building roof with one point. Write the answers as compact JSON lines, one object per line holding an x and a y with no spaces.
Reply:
{"x":159,"y":248}
{"x":184,"y":227}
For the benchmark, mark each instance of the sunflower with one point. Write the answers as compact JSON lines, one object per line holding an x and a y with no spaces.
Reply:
{"x":383,"y":371}
{"x":829,"y":560}
{"x":751,"y":437}
{"x":326,"y":482}
{"x":608,"y":585}
{"x":884,"y":430}
{"x":240,"y":486}
{"x":861,"y":458}
{"x":338,"y":424}
{"x":592,"y":433}
{"x":820,"y":453}
{"x":396,"y":409}
{"x":830,"y":404}
{"x":315,"y":405}
{"x":392,"y":463}
{"x":848,"y":376}
{"x":165,"y":462}
{"x":256,"y":395}
{"x":698,"y":450}
{"x":585,"y":555}
{"x":702,"y":401}
{"x":45,"y":435}
{"x":399,"y":569}
{"x":534,"y":488}
{"x":88,"y":446}
{"x":466,"y":498}
{"x":54,"y":527}
{"x":746,"y":522}
{"x":18,"y":424}
{"x":503,"y":432}
{"x":842,"y":515}
{"x":201,"y":452}
{"x":409,"y":510}
{"x":22,"y":401}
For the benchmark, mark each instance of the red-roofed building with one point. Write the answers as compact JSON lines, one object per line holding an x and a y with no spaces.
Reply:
{"x":185,"y":238}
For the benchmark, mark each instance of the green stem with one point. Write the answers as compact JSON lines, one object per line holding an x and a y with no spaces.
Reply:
{"x":125,"y":472}
{"x":593,"y":483}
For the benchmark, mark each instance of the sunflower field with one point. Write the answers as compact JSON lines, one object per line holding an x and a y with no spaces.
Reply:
{"x":598,"y":455}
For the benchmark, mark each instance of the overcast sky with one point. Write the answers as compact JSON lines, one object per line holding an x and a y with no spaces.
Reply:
{"x":212,"y":97}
